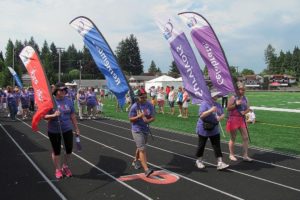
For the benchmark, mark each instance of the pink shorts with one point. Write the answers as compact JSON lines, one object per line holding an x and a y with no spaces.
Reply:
{"x":160,"y":102}
{"x":235,"y":122}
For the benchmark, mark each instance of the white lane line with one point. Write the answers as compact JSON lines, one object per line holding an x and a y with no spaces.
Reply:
{"x":180,"y":142}
{"x":224,"y":142}
{"x":101,"y":170}
{"x":174,"y":153}
{"x":159,"y":167}
{"x":35,"y":166}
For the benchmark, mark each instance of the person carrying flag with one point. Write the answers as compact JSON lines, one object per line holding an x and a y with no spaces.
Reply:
{"x":207,"y":127}
{"x":60,"y":125}
{"x":140,"y":115}
{"x":238,"y":107}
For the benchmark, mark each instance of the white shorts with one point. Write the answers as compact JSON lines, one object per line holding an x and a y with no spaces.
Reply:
{"x":185,"y":104}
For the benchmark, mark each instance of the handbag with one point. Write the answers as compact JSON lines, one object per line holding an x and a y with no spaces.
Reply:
{"x":209,"y":125}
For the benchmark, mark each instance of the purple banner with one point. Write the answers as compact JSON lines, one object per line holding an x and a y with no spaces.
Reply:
{"x":211,"y":52}
{"x":192,"y":76}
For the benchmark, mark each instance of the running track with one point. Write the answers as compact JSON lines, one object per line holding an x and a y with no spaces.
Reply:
{"x":27,"y":171}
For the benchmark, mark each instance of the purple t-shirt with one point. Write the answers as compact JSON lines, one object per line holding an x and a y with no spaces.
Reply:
{"x":66,"y":108}
{"x":91,"y":99}
{"x":24,"y":98}
{"x":210,"y":118}
{"x":139,"y":125}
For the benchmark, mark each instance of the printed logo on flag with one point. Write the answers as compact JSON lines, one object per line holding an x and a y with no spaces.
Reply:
{"x":168,"y":29}
{"x":191,"y":22}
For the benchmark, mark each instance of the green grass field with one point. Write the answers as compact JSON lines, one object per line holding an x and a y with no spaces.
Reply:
{"x":278,"y":131}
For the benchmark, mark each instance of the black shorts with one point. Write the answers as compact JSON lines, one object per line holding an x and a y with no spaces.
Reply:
{"x":55,"y":139}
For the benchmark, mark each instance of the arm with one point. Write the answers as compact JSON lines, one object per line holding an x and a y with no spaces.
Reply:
{"x":75,"y":124}
{"x":208,"y":112}
{"x":52,"y":116}
{"x":135,"y":118}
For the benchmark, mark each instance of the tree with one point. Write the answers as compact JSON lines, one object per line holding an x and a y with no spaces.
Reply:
{"x":270,"y":57}
{"x":128,"y":56}
{"x":153,"y":69}
{"x":174,"y":72}
{"x":247,"y":72}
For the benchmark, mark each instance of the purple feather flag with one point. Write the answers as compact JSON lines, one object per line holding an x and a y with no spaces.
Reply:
{"x":184,"y":57}
{"x":211,"y":52}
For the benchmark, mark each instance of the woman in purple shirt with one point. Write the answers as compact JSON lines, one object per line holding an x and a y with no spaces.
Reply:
{"x":91,"y":102}
{"x":140,"y":115}
{"x":60,"y":124}
{"x":207,"y":127}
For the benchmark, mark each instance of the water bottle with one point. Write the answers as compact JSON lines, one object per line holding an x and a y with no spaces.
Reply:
{"x":78,"y":144}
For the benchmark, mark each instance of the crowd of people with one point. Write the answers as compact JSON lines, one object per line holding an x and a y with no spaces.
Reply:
{"x":62,"y":122}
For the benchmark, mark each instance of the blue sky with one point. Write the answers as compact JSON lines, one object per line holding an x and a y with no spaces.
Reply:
{"x":244,"y":28}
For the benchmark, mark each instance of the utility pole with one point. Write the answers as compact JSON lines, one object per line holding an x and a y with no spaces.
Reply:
{"x":59,"y":61}
{"x":80,"y":68}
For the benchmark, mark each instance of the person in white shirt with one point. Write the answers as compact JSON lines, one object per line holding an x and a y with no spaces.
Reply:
{"x":171,"y":100}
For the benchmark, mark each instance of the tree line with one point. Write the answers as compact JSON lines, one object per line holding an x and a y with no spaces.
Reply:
{"x":128,"y":55}
{"x":284,"y":63}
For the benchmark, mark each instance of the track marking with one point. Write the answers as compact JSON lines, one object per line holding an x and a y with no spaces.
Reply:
{"x":101,"y":170}
{"x":35,"y":166}
{"x":188,"y":144}
{"x":188,"y":157}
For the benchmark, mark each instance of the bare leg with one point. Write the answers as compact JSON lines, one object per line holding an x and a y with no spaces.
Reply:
{"x":245,"y":141}
{"x":143,"y":159}
{"x":231,"y":142}
{"x":56,"y":161}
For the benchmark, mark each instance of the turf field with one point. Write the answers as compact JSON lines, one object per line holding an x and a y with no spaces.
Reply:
{"x":274,"y":130}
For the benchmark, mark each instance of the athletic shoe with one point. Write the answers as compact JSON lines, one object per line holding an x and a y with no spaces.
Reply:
{"x":247,"y":159}
{"x":136,"y":164}
{"x":67,"y":172}
{"x":149,"y":172}
{"x":222,"y":166}
{"x":58,"y":174}
{"x":179,"y":116}
{"x":232,"y":158}
{"x":200,"y":164}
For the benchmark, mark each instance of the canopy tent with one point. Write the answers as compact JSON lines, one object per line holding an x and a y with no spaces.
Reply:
{"x":163,"y":81}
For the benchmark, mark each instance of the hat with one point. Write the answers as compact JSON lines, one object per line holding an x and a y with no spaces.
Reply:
{"x":59,"y":86}
{"x":215,"y":93}
{"x":240,"y":85}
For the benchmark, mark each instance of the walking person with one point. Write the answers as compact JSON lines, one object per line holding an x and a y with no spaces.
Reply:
{"x":81,"y":99}
{"x":12,"y":103}
{"x":24,"y":97}
{"x":238,"y":107}
{"x":31,"y":99}
{"x":207,"y":127}
{"x":140,"y":115}
{"x":91,"y":102}
{"x":60,"y":123}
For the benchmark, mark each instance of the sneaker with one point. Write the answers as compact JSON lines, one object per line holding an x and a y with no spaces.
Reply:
{"x":136,"y":164}
{"x":247,"y":159}
{"x":58,"y":174}
{"x":222,"y":166}
{"x":148,"y":172}
{"x":80,"y":118}
{"x":66,"y":171}
{"x":232,"y":158}
{"x":200,"y":164}
{"x":179,"y":116}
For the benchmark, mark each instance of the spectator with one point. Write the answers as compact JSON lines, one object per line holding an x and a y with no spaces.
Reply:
{"x":161,"y":100}
{"x":91,"y":102}
{"x":179,"y":101}
{"x":171,"y":100}
{"x":185,"y":103}
{"x":81,"y":99}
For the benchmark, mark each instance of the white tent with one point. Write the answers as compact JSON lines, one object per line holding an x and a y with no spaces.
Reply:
{"x":162,"y":81}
